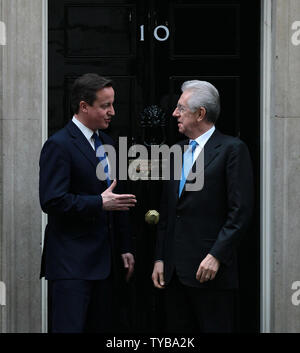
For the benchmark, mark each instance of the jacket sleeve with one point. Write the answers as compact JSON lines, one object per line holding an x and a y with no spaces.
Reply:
{"x":54,"y":186}
{"x":239,"y":183}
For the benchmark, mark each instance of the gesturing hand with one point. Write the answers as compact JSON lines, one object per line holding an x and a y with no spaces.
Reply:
{"x":208,"y":269}
{"x":116,"y":202}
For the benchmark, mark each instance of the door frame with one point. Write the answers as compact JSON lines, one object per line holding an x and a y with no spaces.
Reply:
{"x":265,"y":167}
{"x":265,"y":154}
{"x":44,"y":299}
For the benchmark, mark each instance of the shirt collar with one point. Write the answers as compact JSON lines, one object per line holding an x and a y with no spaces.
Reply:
{"x":88,"y":133}
{"x":202,"y":139}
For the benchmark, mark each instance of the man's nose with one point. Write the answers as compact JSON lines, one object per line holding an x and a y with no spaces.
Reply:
{"x":176,"y":113}
{"x":112,"y":110}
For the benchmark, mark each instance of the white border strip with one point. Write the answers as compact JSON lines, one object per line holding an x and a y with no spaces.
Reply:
{"x":44,"y":299}
{"x":266,"y":75}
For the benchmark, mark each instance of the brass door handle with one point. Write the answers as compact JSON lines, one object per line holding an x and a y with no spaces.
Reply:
{"x":152,"y":217}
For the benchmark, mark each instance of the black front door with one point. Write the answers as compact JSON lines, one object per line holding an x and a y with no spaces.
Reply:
{"x":149,"y":48}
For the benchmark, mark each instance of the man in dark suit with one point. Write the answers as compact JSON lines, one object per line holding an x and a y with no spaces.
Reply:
{"x":86,"y":217}
{"x":198,"y":233}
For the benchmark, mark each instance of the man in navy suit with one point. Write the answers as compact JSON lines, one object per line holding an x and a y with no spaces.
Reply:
{"x":86,"y":216}
{"x":199,"y":230}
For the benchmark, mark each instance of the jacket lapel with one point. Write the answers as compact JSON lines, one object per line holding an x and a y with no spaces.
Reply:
{"x":82,"y":144}
{"x":103,"y":138}
{"x":211,"y":150}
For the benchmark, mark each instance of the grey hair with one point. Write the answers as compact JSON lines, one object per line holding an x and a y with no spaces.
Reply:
{"x":204,"y":94}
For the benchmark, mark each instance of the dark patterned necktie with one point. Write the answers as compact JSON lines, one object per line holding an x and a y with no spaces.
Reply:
{"x":101,"y":155}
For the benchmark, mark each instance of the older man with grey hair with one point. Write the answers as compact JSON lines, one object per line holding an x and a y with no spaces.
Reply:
{"x":199,"y":230}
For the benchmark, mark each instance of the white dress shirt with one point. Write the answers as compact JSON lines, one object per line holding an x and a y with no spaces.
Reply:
{"x":88,"y":133}
{"x":201,"y":140}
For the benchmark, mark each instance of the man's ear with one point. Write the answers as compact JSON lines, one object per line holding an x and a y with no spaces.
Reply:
{"x":201,"y":114}
{"x":83,"y":106}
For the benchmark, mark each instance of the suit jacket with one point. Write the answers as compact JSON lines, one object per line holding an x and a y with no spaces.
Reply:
{"x":211,"y":220}
{"x":79,"y":236}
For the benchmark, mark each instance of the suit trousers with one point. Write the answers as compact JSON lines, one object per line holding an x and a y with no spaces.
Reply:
{"x":194,"y":310}
{"x":79,"y":306}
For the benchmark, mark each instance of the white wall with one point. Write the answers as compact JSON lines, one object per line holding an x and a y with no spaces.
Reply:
{"x":285,"y":167}
{"x":21,"y":139}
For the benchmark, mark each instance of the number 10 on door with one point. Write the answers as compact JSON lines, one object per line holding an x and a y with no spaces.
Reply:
{"x":155,"y":33}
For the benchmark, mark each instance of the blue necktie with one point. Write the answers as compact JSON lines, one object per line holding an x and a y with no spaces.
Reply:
{"x":187,"y":164}
{"x":100,"y":152}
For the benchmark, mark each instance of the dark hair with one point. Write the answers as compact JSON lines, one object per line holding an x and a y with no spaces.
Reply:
{"x":85,"y":88}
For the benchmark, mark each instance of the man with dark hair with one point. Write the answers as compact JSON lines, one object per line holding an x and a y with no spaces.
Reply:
{"x":86,"y":217}
{"x":198,"y":232}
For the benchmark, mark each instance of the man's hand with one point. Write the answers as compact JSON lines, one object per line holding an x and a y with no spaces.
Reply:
{"x":128,"y":261}
{"x":116,"y":202}
{"x":158,"y":275}
{"x":208,"y":269}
